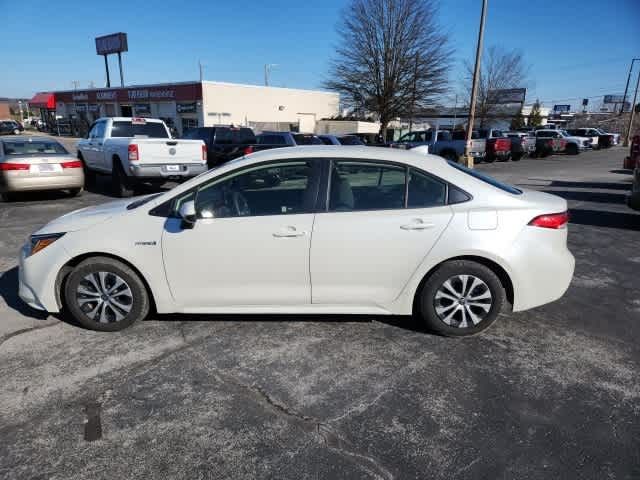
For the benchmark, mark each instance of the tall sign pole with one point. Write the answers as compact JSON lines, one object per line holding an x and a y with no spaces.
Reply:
{"x":106,"y":66}
{"x":632,"y":114}
{"x":120,"y":65}
{"x":468,"y":159}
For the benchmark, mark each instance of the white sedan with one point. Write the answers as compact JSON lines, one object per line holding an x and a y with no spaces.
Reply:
{"x":331,"y":230}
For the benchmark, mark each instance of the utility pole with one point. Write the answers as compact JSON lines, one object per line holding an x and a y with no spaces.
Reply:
{"x":632,"y":114}
{"x":201,"y":69}
{"x":468,"y":159}
{"x":626,"y":88}
{"x":267,"y":71}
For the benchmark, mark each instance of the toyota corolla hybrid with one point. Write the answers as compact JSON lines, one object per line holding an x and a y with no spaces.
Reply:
{"x":335,"y":230}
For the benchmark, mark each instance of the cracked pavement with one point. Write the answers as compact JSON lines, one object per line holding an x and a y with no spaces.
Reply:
{"x":549,"y":393}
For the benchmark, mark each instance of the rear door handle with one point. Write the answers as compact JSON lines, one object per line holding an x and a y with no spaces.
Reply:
{"x":289,"y":232}
{"x":417,"y":225}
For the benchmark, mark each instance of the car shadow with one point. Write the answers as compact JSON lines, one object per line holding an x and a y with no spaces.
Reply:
{"x":597,"y":197}
{"x":102,"y":186}
{"x":622,"y":171}
{"x":593,"y":185}
{"x":600,"y":218}
{"x":9,"y":292}
{"x":405,"y":322}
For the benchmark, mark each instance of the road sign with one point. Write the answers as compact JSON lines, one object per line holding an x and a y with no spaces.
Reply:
{"x":507,"y":95}
{"x":561,"y":108}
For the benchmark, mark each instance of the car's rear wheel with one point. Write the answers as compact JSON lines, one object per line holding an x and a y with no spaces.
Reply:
{"x":7,"y":196}
{"x":16,"y":132}
{"x":461,"y":298}
{"x":74,"y":192}
{"x":120,"y":184}
{"x":572,"y":149}
{"x":89,"y":175}
{"x":104,"y":294}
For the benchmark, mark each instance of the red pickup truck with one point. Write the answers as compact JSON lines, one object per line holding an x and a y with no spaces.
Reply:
{"x":498,"y":146}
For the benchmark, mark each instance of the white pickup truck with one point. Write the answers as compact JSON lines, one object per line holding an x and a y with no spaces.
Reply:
{"x":137,"y":150}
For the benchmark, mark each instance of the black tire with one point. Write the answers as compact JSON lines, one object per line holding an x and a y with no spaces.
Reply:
{"x":7,"y":196}
{"x":16,"y":132}
{"x":489,"y":159}
{"x":450,"y":272}
{"x":449,"y":155}
{"x":138,"y":301}
{"x":572,"y":149}
{"x":516,"y":157}
{"x":75,"y":192}
{"x":89,"y":175}
{"x":120,"y":183}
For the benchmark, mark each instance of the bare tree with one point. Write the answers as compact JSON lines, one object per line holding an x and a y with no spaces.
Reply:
{"x":500,"y":69}
{"x":393,"y":58}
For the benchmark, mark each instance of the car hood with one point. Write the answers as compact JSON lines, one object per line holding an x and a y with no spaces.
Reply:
{"x":85,"y":217}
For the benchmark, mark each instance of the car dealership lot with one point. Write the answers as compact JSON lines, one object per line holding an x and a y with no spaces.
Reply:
{"x":548,"y":393}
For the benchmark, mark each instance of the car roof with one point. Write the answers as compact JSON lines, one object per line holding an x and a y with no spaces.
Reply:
{"x":128,"y":119}
{"x":27,"y":138}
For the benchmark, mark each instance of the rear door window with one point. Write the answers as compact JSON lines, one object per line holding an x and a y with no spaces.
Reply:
{"x":223,"y":136}
{"x":425,"y":191}
{"x":366,"y":186}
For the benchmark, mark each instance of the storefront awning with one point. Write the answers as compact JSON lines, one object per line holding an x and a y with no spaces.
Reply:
{"x":43,"y":100}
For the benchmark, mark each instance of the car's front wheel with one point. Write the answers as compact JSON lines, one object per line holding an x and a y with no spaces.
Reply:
{"x":461,"y":298}
{"x":104,"y":294}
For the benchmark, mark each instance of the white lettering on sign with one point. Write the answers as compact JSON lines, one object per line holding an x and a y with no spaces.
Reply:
{"x":149,"y":94}
{"x":80,"y":96}
{"x":106,"y":95}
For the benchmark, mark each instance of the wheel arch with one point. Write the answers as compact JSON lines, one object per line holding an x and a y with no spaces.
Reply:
{"x":68,"y":267}
{"x":494,"y":266}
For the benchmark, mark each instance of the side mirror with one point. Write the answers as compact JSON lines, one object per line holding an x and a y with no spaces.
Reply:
{"x":187,"y":212}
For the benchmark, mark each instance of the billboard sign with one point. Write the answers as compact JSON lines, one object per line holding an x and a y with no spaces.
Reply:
{"x":562,"y":108}
{"x":507,"y":95}
{"x":114,"y":43}
{"x":612,"y":99}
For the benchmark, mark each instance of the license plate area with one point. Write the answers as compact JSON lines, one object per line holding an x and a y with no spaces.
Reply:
{"x":172,"y":168}
{"x":44,"y":168}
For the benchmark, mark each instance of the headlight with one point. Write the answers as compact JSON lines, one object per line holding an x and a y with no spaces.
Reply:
{"x":39,"y":242}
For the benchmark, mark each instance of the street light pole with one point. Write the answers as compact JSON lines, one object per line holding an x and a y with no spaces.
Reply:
{"x":626,"y":88}
{"x":468,"y":159}
{"x":632,"y":114}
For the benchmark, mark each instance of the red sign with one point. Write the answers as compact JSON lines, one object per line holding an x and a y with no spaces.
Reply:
{"x":154,"y":93}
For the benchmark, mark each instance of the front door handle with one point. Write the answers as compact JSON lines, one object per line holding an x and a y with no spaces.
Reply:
{"x":289,"y":232}
{"x":417,"y":225}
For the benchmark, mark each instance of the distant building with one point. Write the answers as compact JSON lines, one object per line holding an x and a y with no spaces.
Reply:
{"x":5,"y":112}
{"x":192,"y":104}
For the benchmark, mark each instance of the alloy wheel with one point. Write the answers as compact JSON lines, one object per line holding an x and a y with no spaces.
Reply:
{"x":104,"y":297}
{"x":463,"y":301}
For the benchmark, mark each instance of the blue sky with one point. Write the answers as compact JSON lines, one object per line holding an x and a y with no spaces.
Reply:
{"x":574,"y":48}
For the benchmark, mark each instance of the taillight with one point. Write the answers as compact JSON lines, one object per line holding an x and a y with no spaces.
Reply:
{"x":248,"y":150}
{"x":5,"y":167}
{"x":551,"y":220}
{"x":72,"y":164}
{"x":204,"y":153}
{"x":134,"y":154}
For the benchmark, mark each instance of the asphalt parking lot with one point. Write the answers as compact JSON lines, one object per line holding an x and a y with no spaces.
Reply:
{"x":549,"y":393}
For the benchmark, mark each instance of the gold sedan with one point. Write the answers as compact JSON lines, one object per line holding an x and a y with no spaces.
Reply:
{"x":37,"y":164}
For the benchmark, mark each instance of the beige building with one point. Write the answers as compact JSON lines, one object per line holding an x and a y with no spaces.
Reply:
{"x":195,"y":104}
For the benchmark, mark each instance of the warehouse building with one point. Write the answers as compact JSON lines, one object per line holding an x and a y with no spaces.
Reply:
{"x":192,"y":104}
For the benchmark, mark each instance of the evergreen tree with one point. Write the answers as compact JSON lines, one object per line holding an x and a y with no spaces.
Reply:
{"x":535,"y":118}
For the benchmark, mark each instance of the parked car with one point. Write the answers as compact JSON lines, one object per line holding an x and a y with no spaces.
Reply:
{"x":37,"y":164}
{"x":447,"y":144}
{"x":546,"y":146}
{"x":225,"y":143}
{"x":614,"y":138}
{"x":498,"y":146}
{"x":370,"y":139}
{"x":572,"y":146}
{"x":341,"y":140}
{"x":457,"y":268}
{"x":522,"y":145}
{"x":288,"y":139}
{"x":633,"y":161}
{"x":10,"y":127}
{"x":590,"y":133}
{"x":548,"y":126}
{"x":136,"y":150}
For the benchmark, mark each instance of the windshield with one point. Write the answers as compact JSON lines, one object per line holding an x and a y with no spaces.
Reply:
{"x":33,"y":147}
{"x":486,"y":178}
{"x":307,"y":139}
